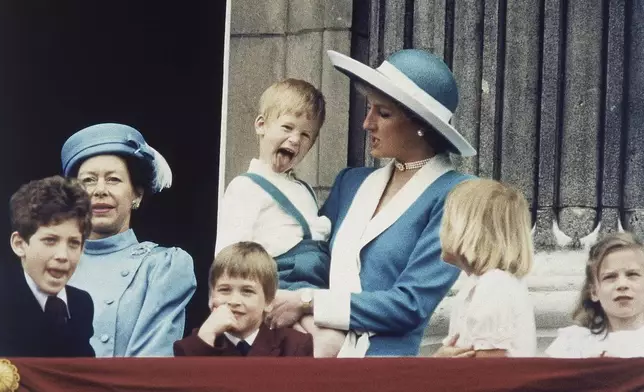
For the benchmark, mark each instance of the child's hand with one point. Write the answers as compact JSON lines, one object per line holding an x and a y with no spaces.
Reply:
{"x":220,"y":320}
{"x":451,"y":351}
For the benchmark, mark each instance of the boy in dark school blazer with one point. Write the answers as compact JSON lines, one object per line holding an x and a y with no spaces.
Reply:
{"x":243,"y":282}
{"x":41,"y":315}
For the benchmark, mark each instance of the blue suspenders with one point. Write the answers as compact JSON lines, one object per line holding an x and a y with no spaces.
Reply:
{"x":283,"y":201}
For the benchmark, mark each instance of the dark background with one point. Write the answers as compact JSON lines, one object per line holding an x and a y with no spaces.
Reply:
{"x":154,"y":65}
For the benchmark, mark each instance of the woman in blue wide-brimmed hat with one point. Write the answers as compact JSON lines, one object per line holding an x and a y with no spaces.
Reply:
{"x":140,"y":289}
{"x":387,"y":276}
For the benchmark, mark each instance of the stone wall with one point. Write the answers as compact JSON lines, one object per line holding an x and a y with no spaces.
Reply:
{"x":273,"y":40}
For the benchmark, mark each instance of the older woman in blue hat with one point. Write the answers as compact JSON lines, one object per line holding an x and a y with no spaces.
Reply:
{"x":140,"y":289}
{"x":387,"y":276}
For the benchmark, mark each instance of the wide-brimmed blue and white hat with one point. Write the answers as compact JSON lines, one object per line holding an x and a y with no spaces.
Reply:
{"x":117,"y":139}
{"x":418,"y":80}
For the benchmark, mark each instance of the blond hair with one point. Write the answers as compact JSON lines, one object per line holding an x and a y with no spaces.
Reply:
{"x":488,"y":224}
{"x":295,"y":97}
{"x":589,"y":313}
{"x":246,"y":260}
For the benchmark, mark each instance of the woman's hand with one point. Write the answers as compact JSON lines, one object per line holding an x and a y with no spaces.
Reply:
{"x":451,"y":351}
{"x":287,"y":309}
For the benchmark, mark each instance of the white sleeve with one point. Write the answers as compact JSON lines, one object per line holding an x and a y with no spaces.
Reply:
{"x":457,"y":303}
{"x":238,"y":212}
{"x":332,"y":309}
{"x":571,"y":342}
{"x":491,"y":317}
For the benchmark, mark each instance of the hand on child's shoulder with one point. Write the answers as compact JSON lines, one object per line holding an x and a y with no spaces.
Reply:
{"x":221,"y":320}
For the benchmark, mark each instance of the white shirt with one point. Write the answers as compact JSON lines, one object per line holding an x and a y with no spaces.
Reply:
{"x":580,"y":342}
{"x":494,"y":311}
{"x":250,"y":339}
{"x":248,"y":213}
{"x":42,"y":297}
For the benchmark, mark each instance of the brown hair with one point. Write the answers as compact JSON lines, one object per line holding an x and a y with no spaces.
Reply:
{"x":431,"y":136}
{"x":589,"y":313}
{"x":246,"y":260}
{"x":488,"y":224}
{"x":292,"y":96}
{"x":50,"y":201}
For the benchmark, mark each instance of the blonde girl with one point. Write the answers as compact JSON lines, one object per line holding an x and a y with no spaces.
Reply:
{"x":485,"y":232}
{"x":610,"y":314}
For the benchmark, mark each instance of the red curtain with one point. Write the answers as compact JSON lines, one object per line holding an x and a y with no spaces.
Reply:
{"x":336,"y":375}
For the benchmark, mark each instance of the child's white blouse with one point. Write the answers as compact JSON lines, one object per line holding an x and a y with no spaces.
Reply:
{"x":494,"y":311}
{"x":580,"y":342}
{"x":248,"y":213}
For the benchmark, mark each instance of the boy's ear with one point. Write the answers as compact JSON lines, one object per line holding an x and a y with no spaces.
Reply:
{"x":260,"y":121}
{"x":18,"y":244}
{"x":211,"y":298}
{"x":269,"y":307}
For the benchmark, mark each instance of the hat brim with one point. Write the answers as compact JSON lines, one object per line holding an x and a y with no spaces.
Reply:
{"x":357,"y":71}
{"x":101,"y":149}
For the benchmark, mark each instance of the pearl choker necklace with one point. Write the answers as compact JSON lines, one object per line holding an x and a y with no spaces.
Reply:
{"x":410,"y":165}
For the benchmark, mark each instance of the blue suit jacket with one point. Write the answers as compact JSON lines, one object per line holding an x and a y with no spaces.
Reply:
{"x":402,"y":275}
{"x":140,"y":291}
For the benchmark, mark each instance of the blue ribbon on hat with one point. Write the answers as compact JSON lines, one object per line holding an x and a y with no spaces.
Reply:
{"x":141,"y":150}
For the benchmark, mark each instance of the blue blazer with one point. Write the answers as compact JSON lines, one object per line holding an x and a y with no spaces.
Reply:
{"x":140,"y":291}
{"x":401,"y":272}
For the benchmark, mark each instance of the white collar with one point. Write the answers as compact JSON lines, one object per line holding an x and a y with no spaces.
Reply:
{"x":250,"y":339}
{"x":41,"y":296}
{"x":260,"y":167}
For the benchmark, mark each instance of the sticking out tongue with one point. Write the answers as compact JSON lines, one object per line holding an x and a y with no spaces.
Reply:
{"x":282,"y":160}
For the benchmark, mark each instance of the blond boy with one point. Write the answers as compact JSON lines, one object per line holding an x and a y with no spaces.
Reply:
{"x":243,"y":282}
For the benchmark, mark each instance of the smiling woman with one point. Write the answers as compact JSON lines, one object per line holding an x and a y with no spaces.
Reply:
{"x":140,"y":290}
{"x":111,"y":211}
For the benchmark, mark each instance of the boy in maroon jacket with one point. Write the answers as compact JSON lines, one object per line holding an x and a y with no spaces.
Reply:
{"x":243,"y":282}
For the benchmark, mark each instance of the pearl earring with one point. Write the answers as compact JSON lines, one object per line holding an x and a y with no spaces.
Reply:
{"x":420,"y":133}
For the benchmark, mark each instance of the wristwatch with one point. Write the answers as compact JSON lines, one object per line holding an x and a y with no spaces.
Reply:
{"x":306,"y":297}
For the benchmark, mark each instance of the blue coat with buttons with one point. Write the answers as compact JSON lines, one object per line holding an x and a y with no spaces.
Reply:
{"x":140,"y":291}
